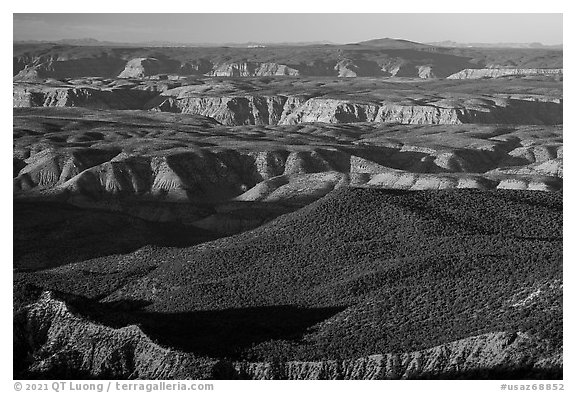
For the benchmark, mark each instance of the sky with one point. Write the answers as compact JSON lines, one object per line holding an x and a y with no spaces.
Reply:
{"x":284,"y":27}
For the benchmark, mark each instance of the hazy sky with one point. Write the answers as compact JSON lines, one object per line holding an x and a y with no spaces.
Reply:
{"x":338,"y":28}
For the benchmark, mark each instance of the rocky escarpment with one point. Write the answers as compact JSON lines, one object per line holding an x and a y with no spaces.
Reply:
{"x":480,"y":73}
{"x":240,"y":110}
{"x":280,"y":101}
{"x":64,"y":345}
{"x":280,"y":109}
{"x":252,"y":69}
{"x":500,"y":352}
{"x":53,"y":341}
{"x":25,"y":95}
{"x":243,"y":110}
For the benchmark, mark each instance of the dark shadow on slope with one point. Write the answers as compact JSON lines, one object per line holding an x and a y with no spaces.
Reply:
{"x":226,"y":333}
{"x":522,"y":112}
{"x":552,"y":201}
{"x":47,"y":235}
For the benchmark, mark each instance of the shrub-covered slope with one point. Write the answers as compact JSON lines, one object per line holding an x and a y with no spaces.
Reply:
{"x":356,"y":273}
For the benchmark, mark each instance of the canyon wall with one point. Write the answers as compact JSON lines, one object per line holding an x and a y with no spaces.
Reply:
{"x":480,"y":73}
{"x":286,"y":109}
{"x":282,"y":110}
{"x":87,"y":97}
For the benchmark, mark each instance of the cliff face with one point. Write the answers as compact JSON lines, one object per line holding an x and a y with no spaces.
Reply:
{"x":480,"y":73}
{"x":51,"y":341}
{"x":252,"y":69}
{"x":286,"y":101}
{"x":86,"y":97}
{"x":243,"y":110}
{"x":286,"y":109}
{"x":283,"y":110}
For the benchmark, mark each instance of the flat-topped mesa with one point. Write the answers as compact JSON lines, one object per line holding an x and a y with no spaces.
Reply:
{"x":479,"y":73}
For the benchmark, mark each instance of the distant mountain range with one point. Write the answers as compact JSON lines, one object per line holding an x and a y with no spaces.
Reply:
{"x":393,"y":43}
{"x":388,"y":43}
{"x":527,"y":45}
{"x":95,"y":42}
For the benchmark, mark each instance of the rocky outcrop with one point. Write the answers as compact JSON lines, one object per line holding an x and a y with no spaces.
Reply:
{"x":471,"y":73}
{"x":147,"y":66}
{"x":68,"y":346}
{"x":425,"y":72}
{"x":237,"y":110}
{"x":196,"y":67}
{"x":348,"y":68}
{"x":64,"y":96}
{"x":403,"y":180}
{"x":329,"y":110}
{"x":253,"y":69}
{"x":492,"y":351}
{"x":52,"y":341}
{"x":308,"y":187}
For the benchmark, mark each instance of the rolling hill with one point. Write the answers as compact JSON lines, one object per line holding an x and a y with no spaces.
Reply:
{"x":357,"y":273}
